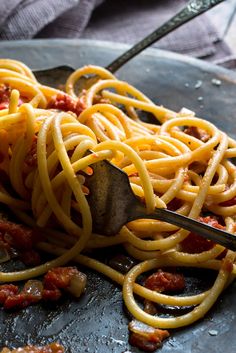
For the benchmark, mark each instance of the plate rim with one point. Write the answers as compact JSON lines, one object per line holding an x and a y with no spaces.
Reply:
{"x":154,"y":52}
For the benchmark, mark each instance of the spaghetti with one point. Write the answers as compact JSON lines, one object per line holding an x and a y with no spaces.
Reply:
{"x":182,"y":163}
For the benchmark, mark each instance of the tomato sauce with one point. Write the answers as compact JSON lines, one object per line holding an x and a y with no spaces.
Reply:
{"x":194,"y":243}
{"x":197,"y":133}
{"x":162,"y":281}
{"x":231,"y":202}
{"x":50,"y":289}
{"x":5,"y":92}
{"x":66,"y":103}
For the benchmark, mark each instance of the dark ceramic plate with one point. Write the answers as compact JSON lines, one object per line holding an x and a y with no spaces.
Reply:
{"x":98,"y":322}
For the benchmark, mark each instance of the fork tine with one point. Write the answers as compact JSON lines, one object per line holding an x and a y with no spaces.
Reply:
{"x":113,"y":204}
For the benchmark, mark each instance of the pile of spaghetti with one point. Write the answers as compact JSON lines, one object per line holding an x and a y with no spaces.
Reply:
{"x":182,"y":162}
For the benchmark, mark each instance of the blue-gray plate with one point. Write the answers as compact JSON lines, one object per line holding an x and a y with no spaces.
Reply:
{"x":98,"y":322}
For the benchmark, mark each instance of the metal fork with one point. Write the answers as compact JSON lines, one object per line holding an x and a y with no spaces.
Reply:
{"x":113,"y":204}
{"x":191,"y":10}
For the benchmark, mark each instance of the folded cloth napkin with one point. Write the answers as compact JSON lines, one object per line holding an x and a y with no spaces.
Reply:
{"x":115,"y":20}
{"x":23,"y":19}
{"x":132,"y":20}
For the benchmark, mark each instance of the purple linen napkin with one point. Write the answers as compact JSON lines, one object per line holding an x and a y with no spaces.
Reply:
{"x":122,"y":20}
{"x":23,"y":19}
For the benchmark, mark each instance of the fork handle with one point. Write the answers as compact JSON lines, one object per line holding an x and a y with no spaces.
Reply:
{"x":219,"y":236}
{"x":191,"y":10}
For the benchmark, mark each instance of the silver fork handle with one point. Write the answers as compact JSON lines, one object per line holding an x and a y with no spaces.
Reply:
{"x":191,"y":10}
{"x":219,"y":236}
